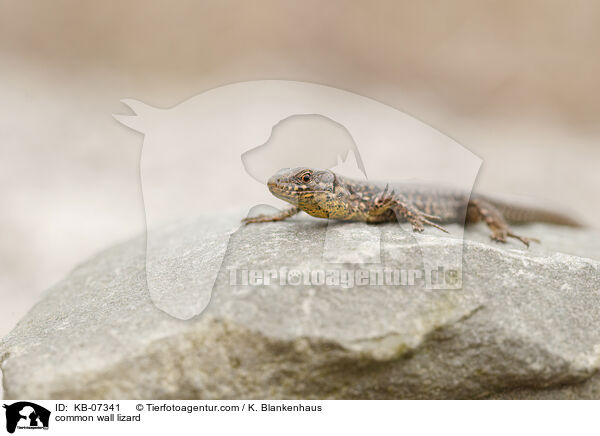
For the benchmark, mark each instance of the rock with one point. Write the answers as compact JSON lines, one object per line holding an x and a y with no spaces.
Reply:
{"x":526,"y":323}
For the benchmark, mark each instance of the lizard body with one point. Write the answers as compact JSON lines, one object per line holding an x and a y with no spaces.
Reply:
{"x":324,"y":194}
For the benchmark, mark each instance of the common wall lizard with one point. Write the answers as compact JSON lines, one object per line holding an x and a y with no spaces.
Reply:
{"x":324,"y":194}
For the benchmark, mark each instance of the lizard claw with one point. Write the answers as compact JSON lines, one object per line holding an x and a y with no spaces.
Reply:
{"x":385,"y":198}
{"x":258,"y":219}
{"x":254,"y":219}
{"x":500,"y":235}
{"x":431,"y":217}
{"x":523,"y":239}
{"x":417,"y":227}
{"x":271,"y":218}
{"x":426,"y":221}
{"x":420,"y":219}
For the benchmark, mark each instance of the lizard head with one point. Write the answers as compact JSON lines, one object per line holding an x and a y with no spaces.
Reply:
{"x":312,"y":190}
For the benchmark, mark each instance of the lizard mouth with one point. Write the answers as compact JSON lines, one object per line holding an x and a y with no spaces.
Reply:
{"x":289,"y":191}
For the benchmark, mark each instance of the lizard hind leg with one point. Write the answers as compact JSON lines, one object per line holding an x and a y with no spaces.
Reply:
{"x":482,"y":210}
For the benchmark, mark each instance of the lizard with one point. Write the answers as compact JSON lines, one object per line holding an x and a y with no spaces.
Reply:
{"x":325,"y":194}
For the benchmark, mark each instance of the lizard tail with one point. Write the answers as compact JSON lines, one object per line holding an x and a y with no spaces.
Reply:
{"x":525,"y":214}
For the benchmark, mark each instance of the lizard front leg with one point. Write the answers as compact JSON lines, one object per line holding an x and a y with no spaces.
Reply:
{"x":286,"y":213}
{"x":482,"y":210}
{"x":403,"y":211}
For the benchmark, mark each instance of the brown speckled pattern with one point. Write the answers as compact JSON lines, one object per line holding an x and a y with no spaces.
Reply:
{"x":324,"y":194}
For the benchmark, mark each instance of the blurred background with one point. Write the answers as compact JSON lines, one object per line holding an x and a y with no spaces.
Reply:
{"x":516,"y":82}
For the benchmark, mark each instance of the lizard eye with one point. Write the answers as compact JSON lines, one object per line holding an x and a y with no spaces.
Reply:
{"x":305,"y":177}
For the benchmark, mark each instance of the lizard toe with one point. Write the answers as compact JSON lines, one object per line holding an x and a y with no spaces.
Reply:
{"x":523,"y":239}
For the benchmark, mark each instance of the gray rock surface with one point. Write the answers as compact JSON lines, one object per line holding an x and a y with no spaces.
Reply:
{"x":526,"y":323}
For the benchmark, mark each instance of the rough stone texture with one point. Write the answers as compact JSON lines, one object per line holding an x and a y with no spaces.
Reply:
{"x":525,"y":325}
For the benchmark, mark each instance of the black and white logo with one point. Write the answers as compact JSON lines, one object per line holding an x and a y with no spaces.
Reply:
{"x":26,"y":415}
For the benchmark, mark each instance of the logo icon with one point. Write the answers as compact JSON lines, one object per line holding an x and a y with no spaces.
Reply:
{"x":26,"y":415}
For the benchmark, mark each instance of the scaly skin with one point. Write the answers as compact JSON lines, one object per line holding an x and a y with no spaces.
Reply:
{"x":324,"y":194}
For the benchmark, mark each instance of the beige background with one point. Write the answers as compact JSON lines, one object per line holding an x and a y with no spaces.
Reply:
{"x":514,"y":81}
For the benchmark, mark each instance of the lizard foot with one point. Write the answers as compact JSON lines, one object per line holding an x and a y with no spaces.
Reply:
{"x":258,"y":219}
{"x":418,"y":220}
{"x":480,"y":209}
{"x":271,"y":218}
{"x":500,"y":235}
{"x":523,"y":239}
